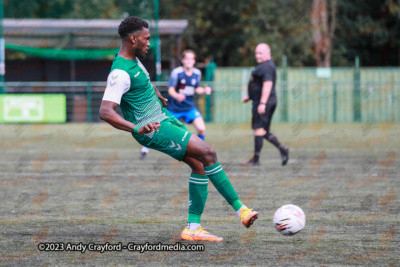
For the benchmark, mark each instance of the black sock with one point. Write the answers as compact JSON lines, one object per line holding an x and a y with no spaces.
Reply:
{"x":258,"y":143}
{"x":273,"y":140}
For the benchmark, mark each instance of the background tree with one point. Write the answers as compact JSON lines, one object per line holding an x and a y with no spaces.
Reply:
{"x":369,"y":29}
{"x":323,"y":20}
{"x":308,"y":32}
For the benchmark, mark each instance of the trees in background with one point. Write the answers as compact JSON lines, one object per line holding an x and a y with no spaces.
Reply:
{"x":370,"y":29}
{"x":323,"y":19}
{"x":308,"y":32}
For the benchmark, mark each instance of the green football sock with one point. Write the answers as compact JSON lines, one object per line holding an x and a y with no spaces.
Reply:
{"x":221,"y":182}
{"x":198,"y":192}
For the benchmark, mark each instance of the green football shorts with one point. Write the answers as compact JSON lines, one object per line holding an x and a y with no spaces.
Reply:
{"x":172,"y":138}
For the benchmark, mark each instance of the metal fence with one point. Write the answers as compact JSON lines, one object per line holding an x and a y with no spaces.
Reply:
{"x":83,"y":99}
{"x":319,"y":101}
{"x":350,"y":94}
{"x":311,"y":95}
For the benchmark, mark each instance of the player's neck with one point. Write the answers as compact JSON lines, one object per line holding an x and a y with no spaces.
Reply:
{"x":188,"y":71}
{"x":124,"y":53}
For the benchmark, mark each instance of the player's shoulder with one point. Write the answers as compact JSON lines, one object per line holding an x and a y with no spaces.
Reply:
{"x":177,"y":70}
{"x":270,"y":64}
{"x":266,"y":66}
{"x":196,"y":71}
{"x":119,"y":73}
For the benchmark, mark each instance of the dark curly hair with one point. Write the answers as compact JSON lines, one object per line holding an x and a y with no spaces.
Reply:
{"x":131,"y":25}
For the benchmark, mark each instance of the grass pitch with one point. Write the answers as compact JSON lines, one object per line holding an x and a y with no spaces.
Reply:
{"x":85,"y":183}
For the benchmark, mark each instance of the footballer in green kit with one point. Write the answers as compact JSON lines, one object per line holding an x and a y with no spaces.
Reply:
{"x":146,"y":117}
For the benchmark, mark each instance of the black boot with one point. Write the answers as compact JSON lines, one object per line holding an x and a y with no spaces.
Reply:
{"x":285,"y":155}
{"x":254,"y":161}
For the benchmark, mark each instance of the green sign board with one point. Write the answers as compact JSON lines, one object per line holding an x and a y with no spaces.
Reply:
{"x":32,"y":108}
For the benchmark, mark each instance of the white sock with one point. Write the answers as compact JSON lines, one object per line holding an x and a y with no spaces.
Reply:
{"x":238,"y":211}
{"x":192,"y":226}
{"x":145,"y":150}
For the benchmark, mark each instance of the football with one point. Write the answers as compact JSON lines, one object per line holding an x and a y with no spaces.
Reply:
{"x":289,"y":219}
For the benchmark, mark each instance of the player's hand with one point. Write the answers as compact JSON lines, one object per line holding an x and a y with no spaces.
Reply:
{"x":261,"y":109}
{"x":180,"y":97}
{"x":207,"y":90}
{"x":148,"y":128}
{"x":245,"y":99}
{"x":163,"y":101}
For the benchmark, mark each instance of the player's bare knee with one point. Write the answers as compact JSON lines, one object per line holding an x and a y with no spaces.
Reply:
{"x":260,"y":132}
{"x":208,"y":156}
{"x":212,"y":155}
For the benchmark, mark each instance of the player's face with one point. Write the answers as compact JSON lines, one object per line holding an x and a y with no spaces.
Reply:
{"x":189,"y":60}
{"x":261,"y":55}
{"x":143,"y":42}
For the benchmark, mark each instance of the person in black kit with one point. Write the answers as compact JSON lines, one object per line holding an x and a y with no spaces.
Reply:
{"x":262,"y":92}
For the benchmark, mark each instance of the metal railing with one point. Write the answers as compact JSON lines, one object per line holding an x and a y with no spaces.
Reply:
{"x":298,"y":102}
{"x":83,"y":99}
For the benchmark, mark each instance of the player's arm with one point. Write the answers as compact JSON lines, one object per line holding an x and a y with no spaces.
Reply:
{"x":162,"y":99}
{"x":108,"y":114}
{"x":203,"y":90}
{"x":266,"y":91}
{"x":118,"y":83}
{"x":199,"y":89}
{"x":245,"y":99}
{"x":172,"y":84}
{"x":173,"y":93}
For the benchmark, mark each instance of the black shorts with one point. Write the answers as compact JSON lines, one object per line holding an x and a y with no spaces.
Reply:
{"x":263,"y":120}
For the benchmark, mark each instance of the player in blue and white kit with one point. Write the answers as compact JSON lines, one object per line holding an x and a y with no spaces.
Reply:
{"x":183,"y":83}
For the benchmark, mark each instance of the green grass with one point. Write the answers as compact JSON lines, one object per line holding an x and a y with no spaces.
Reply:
{"x":85,"y":183}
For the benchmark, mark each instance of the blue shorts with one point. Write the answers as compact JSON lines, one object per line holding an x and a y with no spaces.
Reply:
{"x":188,"y":116}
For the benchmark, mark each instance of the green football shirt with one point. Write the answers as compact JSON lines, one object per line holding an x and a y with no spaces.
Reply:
{"x":128,"y":85}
